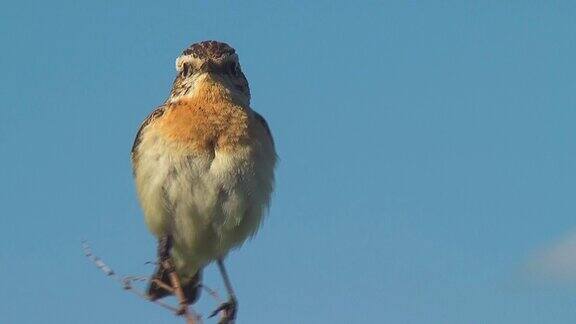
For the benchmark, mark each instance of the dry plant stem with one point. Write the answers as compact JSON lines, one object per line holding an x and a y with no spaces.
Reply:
{"x":212,"y":293}
{"x":163,"y":285}
{"x":145,"y":297}
{"x":126,"y":283}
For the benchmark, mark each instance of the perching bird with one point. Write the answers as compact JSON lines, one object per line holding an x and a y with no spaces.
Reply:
{"x":203,"y":164}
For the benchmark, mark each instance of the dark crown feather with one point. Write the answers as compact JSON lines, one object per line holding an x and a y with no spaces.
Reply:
{"x":209,"y":50}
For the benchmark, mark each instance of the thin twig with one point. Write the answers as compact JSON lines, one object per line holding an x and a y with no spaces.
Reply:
{"x":126,"y":283}
{"x":163,"y":285}
{"x":212,"y":293}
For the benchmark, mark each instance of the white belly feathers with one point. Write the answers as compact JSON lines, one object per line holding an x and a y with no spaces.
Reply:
{"x":209,"y":202}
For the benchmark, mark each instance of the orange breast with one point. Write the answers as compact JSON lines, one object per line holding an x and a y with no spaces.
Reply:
{"x":200,"y":124}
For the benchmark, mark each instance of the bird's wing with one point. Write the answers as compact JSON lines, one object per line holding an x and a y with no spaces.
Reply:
{"x":264,"y":124}
{"x":153,"y":115}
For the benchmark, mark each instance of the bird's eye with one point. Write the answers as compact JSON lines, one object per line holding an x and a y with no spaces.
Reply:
{"x":187,"y":69}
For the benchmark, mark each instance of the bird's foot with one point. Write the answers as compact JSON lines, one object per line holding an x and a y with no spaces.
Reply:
{"x":228,"y":310}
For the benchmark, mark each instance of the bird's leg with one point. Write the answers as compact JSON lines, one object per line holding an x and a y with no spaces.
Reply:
{"x":164,"y":246}
{"x":175,"y":283}
{"x":230,"y":307}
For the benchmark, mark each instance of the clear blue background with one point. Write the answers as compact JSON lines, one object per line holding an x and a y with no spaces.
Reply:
{"x":427,"y":149}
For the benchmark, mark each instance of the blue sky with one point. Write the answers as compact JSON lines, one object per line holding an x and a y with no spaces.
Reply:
{"x":427,"y":157}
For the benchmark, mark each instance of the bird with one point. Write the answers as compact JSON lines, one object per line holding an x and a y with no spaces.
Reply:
{"x":203,"y":164}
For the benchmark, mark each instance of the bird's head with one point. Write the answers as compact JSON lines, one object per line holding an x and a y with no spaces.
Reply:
{"x":209,"y":61}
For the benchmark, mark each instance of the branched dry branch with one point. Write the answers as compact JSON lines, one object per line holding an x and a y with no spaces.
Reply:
{"x":127,"y":284}
{"x":212,"y":293}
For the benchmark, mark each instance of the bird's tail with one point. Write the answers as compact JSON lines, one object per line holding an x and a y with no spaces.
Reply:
{"x":190,"y":288}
